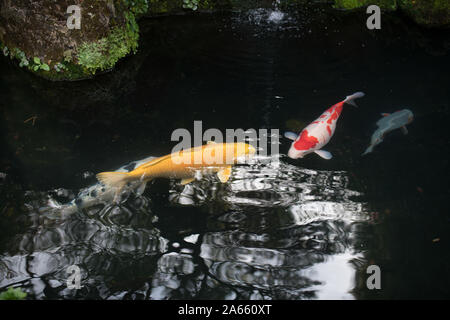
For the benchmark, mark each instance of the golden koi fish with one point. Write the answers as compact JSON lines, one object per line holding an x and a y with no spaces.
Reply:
{"x":215,"y":157}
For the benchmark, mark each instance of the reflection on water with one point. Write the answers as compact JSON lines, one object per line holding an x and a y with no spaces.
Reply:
{"x":103,"y":241}
{"x":276,"y":231}
{"x":303,"y":223}
{"x":269,"y":182}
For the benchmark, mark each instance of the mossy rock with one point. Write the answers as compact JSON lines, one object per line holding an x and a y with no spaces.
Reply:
{"x":430,"y":13}
{"x":354,"y":4}
{"x":37,"y":31}
{"x":36,"y":35}
{"x":164,"y":7}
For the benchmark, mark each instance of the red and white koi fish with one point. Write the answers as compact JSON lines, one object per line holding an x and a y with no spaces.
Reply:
{"x":318,"y":133}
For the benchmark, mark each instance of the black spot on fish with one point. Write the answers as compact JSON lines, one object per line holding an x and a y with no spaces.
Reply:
{"x":130,"y":167}
{"x":103,"y":189}
{"x":93,"y":193}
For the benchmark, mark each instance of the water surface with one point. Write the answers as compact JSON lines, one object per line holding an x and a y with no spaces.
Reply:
{"x":280,"y":228}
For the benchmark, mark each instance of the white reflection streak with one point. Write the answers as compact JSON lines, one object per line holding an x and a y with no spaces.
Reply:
{"x":308,"y":195}
{"x":336,"y":276}
{"x":308,"y":212}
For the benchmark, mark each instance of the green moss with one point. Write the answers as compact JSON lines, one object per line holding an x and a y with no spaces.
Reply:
{"x":206,"y":4}
{"x":427,"y":12}
{"x":156,"y":7}
{"x":137,"y":7}
{"x":424,"y":12}
{"x":190,"y":4}
{"x":91,"y":56}
{"x":213,"y":4}
{"x":104,"y":53}
{"x":13,"y":294}
{"x":347,"y":4}
{"x":354,"y":4}
{"x":164,"y":6}
{"x":69,"y":71}
{"x":33,"y":64}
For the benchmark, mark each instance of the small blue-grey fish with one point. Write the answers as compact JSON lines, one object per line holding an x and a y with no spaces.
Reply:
{"x":388,"y":123}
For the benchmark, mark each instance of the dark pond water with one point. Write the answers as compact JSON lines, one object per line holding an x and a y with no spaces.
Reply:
{"x":293,"y":229}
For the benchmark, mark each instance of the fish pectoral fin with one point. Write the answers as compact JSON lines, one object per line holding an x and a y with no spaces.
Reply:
{"x":224,"y":175}
{"x":384,"y":114}
{"x":404,"y":130}
{"x":186,"y":181}
{"x":291,"y":135}
{"x":324,"y":154}
{"x":118,"y":195}
{"x":140,"y":190}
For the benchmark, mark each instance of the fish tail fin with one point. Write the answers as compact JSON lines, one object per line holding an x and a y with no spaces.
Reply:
{"x":350,"y":99}
{"x":114,"y":179}
{"x":368,"y":150}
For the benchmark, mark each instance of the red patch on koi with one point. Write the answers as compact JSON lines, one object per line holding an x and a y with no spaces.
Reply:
{"x":336,"y":112}
{"x":329,"y":130}
{"x":305,"y":142}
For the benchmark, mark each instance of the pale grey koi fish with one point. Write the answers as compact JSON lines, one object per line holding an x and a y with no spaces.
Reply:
{"x":388,"y":123}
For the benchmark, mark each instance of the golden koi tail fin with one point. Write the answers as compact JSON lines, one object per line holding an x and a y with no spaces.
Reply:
{"x":114,"y":179}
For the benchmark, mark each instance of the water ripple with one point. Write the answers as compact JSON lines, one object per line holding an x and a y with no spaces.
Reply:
{"x":279,"y":227}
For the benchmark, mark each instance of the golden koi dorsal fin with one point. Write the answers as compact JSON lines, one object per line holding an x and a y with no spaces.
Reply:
{"x":153,"y":162}
{"x":224,"y":175}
